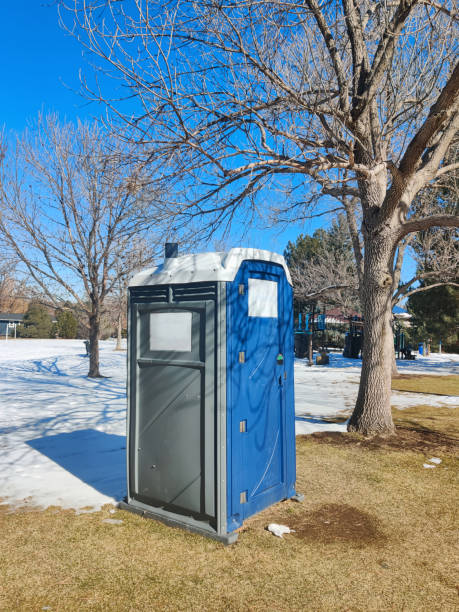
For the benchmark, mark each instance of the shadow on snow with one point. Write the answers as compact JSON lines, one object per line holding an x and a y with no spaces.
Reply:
{"x":96,"y":458}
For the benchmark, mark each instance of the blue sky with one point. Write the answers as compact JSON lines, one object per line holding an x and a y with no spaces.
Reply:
{"x":40,"y":66}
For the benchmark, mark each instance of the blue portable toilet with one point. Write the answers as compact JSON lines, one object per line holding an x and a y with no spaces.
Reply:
{"x":211,"y":426}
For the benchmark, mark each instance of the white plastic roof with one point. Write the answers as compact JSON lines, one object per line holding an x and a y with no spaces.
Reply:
{"x":199,"y":267}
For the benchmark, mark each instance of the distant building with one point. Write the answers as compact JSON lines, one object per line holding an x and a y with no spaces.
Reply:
{"x":10,"y":321}
{"x":335,"y":316}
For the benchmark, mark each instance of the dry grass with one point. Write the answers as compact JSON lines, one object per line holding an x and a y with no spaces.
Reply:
{"x":418,"y":383}
{"x":439,"y":419}
{"x":376,"y":532}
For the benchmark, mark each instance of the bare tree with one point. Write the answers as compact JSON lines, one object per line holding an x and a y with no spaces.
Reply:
{"x":435,"y":249}
{"x":69,"y":204}
{"x":323,"y":267}
{"x":129,"y":259}
{"x":12,"y":290}
{"x":350,"y":99}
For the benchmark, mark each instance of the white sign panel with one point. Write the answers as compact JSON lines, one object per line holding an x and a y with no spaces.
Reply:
{"x":170,"y":331}
{"x":262,"y":298}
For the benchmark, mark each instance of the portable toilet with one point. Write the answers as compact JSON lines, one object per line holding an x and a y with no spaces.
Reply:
{"x":211,"y":426}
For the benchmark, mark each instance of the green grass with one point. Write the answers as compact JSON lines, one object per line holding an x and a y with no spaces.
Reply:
{"x":376,"y":532}
{"x":441,"y":385}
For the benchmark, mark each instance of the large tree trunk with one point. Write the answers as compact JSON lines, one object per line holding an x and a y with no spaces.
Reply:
{"x":94,"y":335}
{"x":372,"y":412}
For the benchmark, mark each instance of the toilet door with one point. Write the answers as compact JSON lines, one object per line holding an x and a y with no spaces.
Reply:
{"x":172,"y":432}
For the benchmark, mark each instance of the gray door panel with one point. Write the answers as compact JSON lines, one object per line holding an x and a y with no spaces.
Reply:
{"x":169,"y":437}
{"x":174,"y":399}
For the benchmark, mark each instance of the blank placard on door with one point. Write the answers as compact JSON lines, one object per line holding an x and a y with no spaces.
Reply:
{"x":262,"y":298}
{"x":170,"y":331}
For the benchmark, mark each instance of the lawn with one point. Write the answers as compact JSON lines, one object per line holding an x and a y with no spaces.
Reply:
{"x":376,"y":532}
{"x":418,"y":383}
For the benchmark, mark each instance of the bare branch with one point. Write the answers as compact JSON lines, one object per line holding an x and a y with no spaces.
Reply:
{"x":418,"y":225}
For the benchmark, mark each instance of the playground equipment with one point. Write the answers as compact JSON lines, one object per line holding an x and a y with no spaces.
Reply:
{"x":353,"y":340}
{"x":311,"y":321}
{"x":402,"y":350}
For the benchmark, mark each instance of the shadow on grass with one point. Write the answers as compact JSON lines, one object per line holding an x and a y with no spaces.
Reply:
{"x":95,"y":457}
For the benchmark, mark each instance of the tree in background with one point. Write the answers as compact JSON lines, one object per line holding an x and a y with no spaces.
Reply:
{"x":436,"y":312}
{"x":435,"y":249}
{"x":323,"y":267}
{"x":13,"y":292}
{"x":37,"y":322}
{"x":128,"y":261}
{"x":353,"y":100}
{"x":436,"y":316}
{"x":66,"y":324}
{"x":70,"y":196}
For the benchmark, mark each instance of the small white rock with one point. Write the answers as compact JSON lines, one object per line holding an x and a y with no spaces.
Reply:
{"x":426,"y":465}
{"x":435,"y":460}
{"x":112,"y":521}
{"x":279,"y":530}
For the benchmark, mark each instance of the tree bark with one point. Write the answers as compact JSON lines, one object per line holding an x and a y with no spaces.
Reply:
{"x":118,"y":335}
{"x":372,"y":412}
{"x":310,"y":351}
{"x":94,"y":336}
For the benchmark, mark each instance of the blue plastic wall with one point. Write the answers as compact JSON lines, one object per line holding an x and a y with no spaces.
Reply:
{"x":260,"y":393}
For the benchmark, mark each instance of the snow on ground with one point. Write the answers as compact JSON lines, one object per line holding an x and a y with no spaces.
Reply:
{"x":62,"y":435}
{"x":322,"y":392}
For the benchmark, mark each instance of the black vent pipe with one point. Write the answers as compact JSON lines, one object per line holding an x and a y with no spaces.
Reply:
{"x":171,"y":250}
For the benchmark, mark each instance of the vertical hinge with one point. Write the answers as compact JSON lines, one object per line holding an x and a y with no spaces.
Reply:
{"x":241,"y":289}
{"x":243,"y":426}
{"x":243,"y":497}
{"x":241,"y":357}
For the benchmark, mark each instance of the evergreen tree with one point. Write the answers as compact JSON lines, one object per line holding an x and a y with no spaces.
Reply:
{"x":37,"y":322}
{"x":66,"y":324}
{"x":436,"y":316}
{"x":306,"y":248}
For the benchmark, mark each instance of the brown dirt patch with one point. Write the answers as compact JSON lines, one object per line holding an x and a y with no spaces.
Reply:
{"x":337,"y":523}
{"x":405,"y":438}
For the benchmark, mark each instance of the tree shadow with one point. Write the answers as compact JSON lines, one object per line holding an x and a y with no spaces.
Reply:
{"x":96,"y":458}
{"x":321,"y":419}
{"x":336,"y":361}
